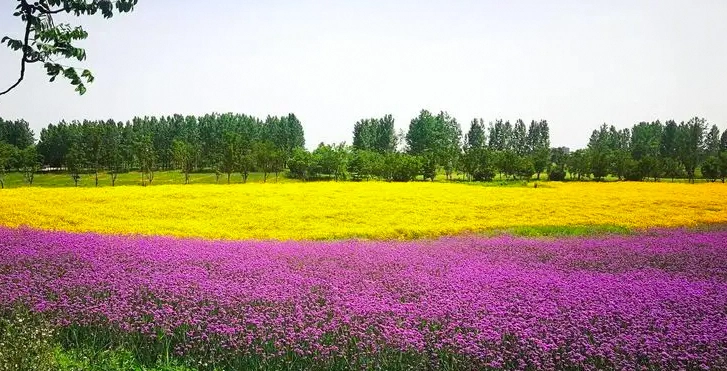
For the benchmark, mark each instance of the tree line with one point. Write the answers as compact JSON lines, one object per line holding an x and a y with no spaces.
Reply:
{"x":229,"y":144}
{"x":223,"y":143}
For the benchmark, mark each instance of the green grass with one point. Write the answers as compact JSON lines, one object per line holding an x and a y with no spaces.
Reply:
{"x":566,"y":231}
{"x":61,"y":179}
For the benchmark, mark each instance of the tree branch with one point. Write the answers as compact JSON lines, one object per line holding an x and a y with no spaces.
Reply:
{"x":23,"y":59}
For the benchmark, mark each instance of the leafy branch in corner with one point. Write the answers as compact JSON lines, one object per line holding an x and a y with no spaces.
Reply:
{"x":45,"y":42}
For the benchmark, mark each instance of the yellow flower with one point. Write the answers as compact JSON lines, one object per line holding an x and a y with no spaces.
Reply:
{"x":365,"y":209}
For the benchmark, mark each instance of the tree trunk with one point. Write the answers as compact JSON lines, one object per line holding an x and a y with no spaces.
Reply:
{"x":228,"y":178}
{"x":96,"y":177}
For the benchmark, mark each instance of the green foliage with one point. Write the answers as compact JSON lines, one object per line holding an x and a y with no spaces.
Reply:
{"x":599,"y":152}
{"x":300,"y":164}
{"x":401,"y":167}
{"x":538,"y":135}
{"x":669,"y":145}
{"x":723,"y":165}
{"x":525,"y":168}
{"x":146,"y":157}
{"x":26,"y":342}
{"x":475,"y":137}
{"x":500,"y":136}
{"x":365,"y":164}
{"x":479,"y":164}
{"x":229,"y":143}
{"x":691,"y":145}
{"x":266,"y":157}
{"x":28,"y":162}
{"x":579,"y":164}
{"x":507,"y":162}
{"x":75,"y":163}
{"x":711,"y":168}
{"x":540,"y":158}
{"x":16,"y":133}
{"x":375,"y":135}
{"x":8,"y":153}
{"x":556,"y":174}
{"x":47,"y":41}
{"x":285,"y":133}
{"x":331,"y":160}
{"x":646,"y":140}
{"x":712,"y":142}
{"x":671,"y":168}
{"x":520,"y":140}
{"x":184,"y":155}
{"x":437,"y":139}
{"x":633,"y":170}
{"x":652,"y":166}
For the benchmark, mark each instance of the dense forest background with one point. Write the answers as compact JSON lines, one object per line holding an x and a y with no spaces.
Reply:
{"x":229,"y":144}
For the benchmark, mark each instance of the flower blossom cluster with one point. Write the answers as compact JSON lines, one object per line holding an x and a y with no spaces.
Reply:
{"x":650,"y":301}
{"x":371,"y":210}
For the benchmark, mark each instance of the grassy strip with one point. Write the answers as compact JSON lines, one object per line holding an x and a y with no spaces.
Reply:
{"x":63,"y":179}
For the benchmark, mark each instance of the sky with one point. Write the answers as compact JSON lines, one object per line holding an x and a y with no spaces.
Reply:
{"x":577,"y":64}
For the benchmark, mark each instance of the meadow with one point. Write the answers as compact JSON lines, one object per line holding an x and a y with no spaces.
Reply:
{"x":653,"y":301}
{"x":364,"y":275}
{"x":370,"y":210}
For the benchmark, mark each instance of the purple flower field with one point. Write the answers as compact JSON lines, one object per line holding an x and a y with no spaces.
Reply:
{"x":650,"y":301}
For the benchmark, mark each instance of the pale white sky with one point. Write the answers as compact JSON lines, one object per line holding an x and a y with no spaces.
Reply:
{"x":575,"y":63}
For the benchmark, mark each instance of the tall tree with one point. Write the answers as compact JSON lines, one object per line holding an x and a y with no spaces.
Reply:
{"x":669,"y":145}
{"x":448,"y":145}
{"x":364,"y":134}
{"x":46,"y":41}
{"x":579,"y":164}
{"x":75,"y":162}
{"x":184,"y":155}
{"x":712,"y":142}
{"x":7,"y":153}
{"x":146,"y":158}
{"x":538,"y":144}
{"x":476,"y":137}
{"x":646,"y":139}
{"x":94,"y":145}
{"x":619,"y":154}
{"x":520,"y":139}
{"x":385,"y":135}
{"x":375,"y":134}
{"x":422,"y":135}
{"x":500,"y":136}
{"x":691,"y":144}
{"x":29,"y":163}
{"x":16,"y":133}
{"x":113,"y":147}
{"x":599,"y":152}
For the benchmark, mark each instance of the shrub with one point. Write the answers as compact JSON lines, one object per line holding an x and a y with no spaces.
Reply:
{"x":557,"y":175}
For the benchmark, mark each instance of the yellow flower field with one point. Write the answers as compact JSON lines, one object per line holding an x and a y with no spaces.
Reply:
{"x":366,"y":210}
